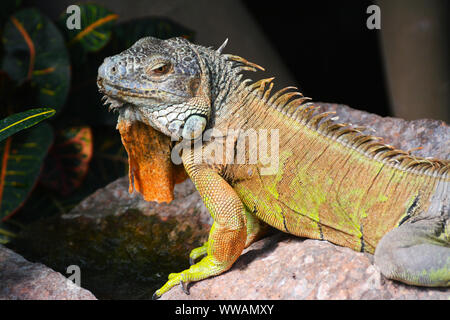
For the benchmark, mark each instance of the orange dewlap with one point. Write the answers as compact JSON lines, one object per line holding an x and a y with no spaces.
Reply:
{"x":151,"y":171}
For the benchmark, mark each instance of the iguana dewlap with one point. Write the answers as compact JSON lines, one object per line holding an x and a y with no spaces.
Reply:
{"x":151,"y":171}
{"x":259,"y":158}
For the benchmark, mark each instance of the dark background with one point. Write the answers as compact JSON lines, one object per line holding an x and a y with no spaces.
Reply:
{"x":323,"y":46}
{"x":328,"y":49}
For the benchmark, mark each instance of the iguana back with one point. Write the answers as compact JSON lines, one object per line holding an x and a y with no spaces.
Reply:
{"x":332,"y":182}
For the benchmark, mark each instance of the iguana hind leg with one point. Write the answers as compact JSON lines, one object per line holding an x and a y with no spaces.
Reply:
{"x":256,"y":228}
{"x":417,"y":252}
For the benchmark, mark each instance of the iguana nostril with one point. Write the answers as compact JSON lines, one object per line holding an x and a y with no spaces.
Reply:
{"x":117,"y":70}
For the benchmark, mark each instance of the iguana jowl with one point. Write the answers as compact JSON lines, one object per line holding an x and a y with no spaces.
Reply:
{"x":332,"y":182}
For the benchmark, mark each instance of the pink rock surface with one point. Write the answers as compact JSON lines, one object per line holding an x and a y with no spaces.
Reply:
{"x":24,"y":280}
{"x":277,"y":267}
{"x":289,"y":268}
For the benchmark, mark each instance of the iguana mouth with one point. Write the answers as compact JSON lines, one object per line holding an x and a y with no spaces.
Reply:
{"x":108,"y":94}
{"x":115,"y":92}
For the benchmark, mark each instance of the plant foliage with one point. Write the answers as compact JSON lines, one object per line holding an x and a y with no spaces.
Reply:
{"x":43,"y":63}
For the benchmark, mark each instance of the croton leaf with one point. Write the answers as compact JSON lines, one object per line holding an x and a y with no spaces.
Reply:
{"x":21,"y":158}
{"x":109,"y":161}
{"x":23,"y":120}
{"x":68,"y":160}
{"x":34,"y":50}
{"x":96,"y":26}
{"x":5,"y":234}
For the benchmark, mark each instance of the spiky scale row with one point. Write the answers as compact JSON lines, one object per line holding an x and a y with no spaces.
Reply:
{"x":352,"y":136}
{"x":243,"y":64}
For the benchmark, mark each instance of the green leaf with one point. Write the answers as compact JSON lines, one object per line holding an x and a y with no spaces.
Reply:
{"x":21,"y":158}
{"x":109,"y":162}
{"x":23,"y":120}
{"x":96,"y":26}
{"x":34,"y":50}
{"x":5,"y":234}
{"x":68,"y":160}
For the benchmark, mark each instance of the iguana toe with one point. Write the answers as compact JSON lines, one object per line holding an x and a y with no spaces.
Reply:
{"x":198,"y":252}
{"x":203,"y":269}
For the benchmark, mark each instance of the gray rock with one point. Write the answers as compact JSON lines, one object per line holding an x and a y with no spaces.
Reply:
{"x":24,"y":280}
{"x":289,"y":268}
{"x":115,"y":199}
{"x":279,"y":266}
{"x":124,"y":246}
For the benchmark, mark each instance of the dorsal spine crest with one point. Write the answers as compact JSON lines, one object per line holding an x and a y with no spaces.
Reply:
{"x":291,"y":103}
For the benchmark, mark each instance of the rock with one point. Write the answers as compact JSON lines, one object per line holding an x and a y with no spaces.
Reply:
{"x":115,"y":199}
{"x":24,"y":280}
{"x":289,"y":268}
{"x":279,"y":266}
{"x":124,"y":246}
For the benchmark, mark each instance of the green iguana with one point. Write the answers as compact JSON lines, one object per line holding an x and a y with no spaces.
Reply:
{"x":331,"y":181}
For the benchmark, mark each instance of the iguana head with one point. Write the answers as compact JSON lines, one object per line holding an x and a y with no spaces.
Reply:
{"x":163,"y":83}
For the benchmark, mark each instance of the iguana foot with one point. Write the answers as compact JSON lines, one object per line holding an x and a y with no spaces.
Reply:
{"x":198,"y":252}
{"x":206,"y":268}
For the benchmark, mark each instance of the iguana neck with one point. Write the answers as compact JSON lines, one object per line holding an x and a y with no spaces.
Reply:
{"x":226,"y":85}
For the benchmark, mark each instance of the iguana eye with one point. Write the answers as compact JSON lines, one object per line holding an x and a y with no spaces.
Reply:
{"x":159,"y":69}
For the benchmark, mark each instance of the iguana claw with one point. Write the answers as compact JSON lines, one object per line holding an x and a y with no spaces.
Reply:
{"x":184,"y":287}
{"x":155,"y":296}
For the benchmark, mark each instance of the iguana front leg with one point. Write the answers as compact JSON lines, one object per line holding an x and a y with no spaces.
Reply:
{"x":255,"y":230}
{"x":228,"y":234}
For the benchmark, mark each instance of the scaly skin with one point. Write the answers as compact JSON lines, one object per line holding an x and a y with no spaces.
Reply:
{"x":330,"y":182}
